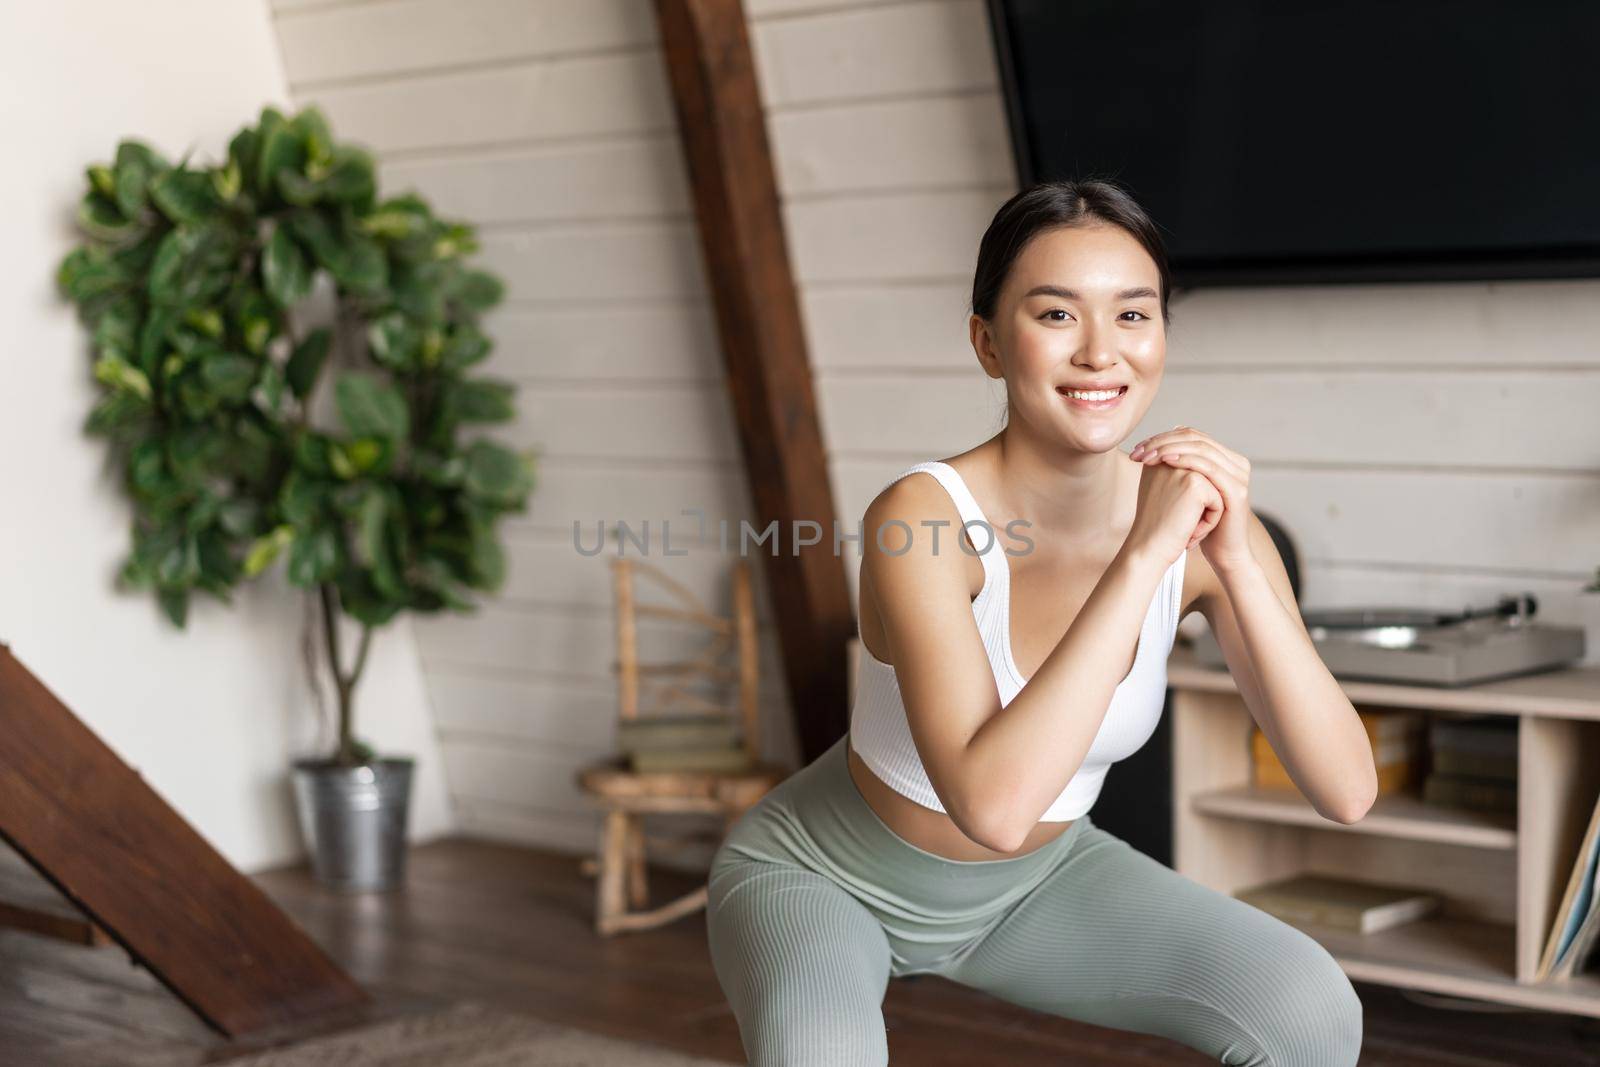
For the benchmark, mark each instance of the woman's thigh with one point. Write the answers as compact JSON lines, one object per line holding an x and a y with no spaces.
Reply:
{"x":1113,"y":937}
{"x":803,"y":964}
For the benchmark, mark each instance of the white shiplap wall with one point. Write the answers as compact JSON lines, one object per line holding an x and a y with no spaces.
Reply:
{"x":548,"y":124}
{"x":1428,"y":444}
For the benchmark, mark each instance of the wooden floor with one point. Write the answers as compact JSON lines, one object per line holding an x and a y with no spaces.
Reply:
{"x":511,"y":926}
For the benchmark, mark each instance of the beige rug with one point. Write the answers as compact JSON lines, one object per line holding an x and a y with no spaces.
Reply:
{"x":471,"y":1035}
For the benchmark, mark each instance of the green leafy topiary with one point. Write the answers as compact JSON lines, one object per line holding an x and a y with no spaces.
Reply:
{"x":194,"y":282}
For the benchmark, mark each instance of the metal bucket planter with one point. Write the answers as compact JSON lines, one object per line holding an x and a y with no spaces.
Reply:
{"x":354,"y":820}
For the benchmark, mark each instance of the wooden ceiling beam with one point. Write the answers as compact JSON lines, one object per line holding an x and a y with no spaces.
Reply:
{"x":723,"y":130}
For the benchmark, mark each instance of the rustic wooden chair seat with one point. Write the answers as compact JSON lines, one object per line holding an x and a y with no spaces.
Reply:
{"x":627,"y":795}
{"x":620,"y":784}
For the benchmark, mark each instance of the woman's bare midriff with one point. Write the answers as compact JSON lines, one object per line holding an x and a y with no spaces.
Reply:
{"x":934,"y":831}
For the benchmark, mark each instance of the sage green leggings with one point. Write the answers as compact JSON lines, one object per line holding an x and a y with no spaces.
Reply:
{"x":815,"y":904}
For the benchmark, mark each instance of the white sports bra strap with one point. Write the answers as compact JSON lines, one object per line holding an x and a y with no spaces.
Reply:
{"x":985,"y":538}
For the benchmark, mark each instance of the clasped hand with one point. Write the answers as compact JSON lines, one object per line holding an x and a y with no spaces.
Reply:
{"x":1226,"y":542}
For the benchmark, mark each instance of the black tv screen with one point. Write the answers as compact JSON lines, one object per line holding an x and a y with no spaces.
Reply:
{"x":1303,"y":140}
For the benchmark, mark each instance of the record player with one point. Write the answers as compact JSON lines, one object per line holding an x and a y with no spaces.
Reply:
{"x":1423,"y":646}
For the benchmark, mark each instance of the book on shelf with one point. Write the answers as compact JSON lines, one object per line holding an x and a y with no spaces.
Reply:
{"x":1361,"y":907}
{"x":1476,"y":764}
{"x":1390,"y":725}
{"x":1396,"y":739}
{"x":1576,"y":924}
{"x":1466,"y":791}
{"x":720,"y":758}
{"x":1491,"y":736}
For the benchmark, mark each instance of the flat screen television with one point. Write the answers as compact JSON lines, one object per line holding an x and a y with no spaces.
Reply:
{"x":1323,"y":140}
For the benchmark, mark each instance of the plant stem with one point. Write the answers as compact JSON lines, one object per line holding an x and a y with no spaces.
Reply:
{"x":345,"y":684}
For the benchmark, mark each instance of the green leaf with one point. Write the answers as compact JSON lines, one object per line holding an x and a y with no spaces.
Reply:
{"x":132,"y":153}
{"x":175,"y":605}
{"x":362,"y":601}
{"x":302,"y":498}
{"x":340,"y":461}
{"x":371,"y":408}
{"x":244,"y":152}
{"x":347,"y":178}
{"x":364,"y":269}
{"x":193,"y":452}
{"x":398,"y":219}
{"x":435,"y":576}
{"x":147,"y":466}
{"x":455,"y":240}
{"x":314,"y":230}
{"x":355,"y":260}
{"x":282,"y":149}
{"x":439,"y":470}
{"x":312,"y":128}
{"x":187,"y":197}
{"x":195,"y":400}
{"x":102,"y":180}
{"x":372,"y":543}
{"x":496,"y":474}
{"x":193,"y":265}
{"x":314,"y":557}
{"x":118,"y":414}
{"x":367,"y":453}
{"x":154,"y":337}
{"x":118,"y":374}
{"x":255,"y":319}
{"x":266,"y":549}
{"x":87,"y":275}
{"x":479,"y":291}
{"x":238,"y":515}
{"x":482,"y":400}
{"x":118,"y":329}
{"x":306,"y":362}
{"x":136,"y":167}
{"x":463,"y":347}
{"x":99,"y":217}
{"x":229,"y":375}
{"x":393,"y":341}
{"x":228,"y":182}
{"x":179,"y":564}
{"x":370,"y":527}
{"x":418,"y":289}
{"x":488,"y":558}
{"x":284,"y":269}
{"x":204,"y":320}
{"x":311,"y":454}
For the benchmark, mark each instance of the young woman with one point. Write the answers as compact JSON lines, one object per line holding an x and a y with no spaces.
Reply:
{"x":948,"y":832}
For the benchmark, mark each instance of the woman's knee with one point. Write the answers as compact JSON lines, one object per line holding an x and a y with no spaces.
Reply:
{"x":1311,"y":1015}
{"x":803,"y":965}
{"x":806,"y":1025}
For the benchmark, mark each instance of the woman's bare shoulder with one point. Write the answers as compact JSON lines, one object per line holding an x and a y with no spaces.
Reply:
{"x":901,"y":510}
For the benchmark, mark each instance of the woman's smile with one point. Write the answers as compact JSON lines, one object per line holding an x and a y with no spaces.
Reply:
{"x":1095,"y":400}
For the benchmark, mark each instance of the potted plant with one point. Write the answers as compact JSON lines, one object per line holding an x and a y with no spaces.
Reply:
{"x":284,"y":365}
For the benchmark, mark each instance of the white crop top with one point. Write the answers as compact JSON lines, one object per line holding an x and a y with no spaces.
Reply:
{"x":882,"y":738}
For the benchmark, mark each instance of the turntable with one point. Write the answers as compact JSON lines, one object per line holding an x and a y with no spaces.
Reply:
{"x":1422,"y":646}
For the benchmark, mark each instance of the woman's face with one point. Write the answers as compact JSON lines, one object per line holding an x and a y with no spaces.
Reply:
{"x":1080,"y":309}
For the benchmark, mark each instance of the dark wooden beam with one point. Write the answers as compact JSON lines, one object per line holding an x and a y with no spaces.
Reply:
{"x":723,"y":128}
{"x":29,"y":902}
{"x":122,"y":856}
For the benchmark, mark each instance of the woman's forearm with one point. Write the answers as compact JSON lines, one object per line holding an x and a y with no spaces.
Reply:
{"x":1301,"y":708}
{"x":1024,"y":755}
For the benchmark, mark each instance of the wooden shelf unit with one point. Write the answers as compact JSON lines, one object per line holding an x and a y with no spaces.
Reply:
{"x":1500,"y":877}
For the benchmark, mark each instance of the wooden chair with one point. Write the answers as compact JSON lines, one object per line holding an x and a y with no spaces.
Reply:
{"x":626,"y":795}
